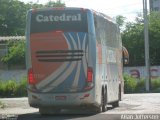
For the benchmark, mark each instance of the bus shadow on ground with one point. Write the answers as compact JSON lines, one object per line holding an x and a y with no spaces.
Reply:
{"x":64,"y":115}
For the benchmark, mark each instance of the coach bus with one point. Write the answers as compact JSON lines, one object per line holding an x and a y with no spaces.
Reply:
{"x":74,"y":60}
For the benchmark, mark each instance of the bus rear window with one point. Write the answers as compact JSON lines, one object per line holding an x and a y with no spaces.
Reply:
{"x":64,"y":20}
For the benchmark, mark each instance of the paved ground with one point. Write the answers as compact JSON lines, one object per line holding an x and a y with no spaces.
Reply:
{"x":138,"y":104}
{"x":131,"y":104}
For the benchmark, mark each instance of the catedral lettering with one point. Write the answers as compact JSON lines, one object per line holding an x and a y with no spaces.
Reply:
{"x":63,"y":17}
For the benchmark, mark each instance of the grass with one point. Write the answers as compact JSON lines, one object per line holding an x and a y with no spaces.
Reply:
{"x":129,"y":84}
{"x":2,"y":105}
{"x":12,"y":88}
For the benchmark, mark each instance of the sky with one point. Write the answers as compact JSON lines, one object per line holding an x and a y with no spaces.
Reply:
{"x":112,"y":8}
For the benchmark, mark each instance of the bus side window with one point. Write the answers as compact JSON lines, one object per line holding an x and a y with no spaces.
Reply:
{"x":97,"y":28}
{"x":95,"y":22}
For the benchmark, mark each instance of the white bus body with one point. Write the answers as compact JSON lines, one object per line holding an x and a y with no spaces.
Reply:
{"x":74,"y":59}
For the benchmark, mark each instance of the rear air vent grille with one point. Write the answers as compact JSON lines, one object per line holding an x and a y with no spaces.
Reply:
{"x":59,"y":55}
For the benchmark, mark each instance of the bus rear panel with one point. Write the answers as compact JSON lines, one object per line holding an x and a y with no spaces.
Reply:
{"x":59,"y":73}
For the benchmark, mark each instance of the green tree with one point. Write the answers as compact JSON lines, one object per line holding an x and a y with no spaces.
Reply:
{"x":120,"y":20}
{"x":12,"y":22}
{"x":154,"y":37}
{"x":133,"y":40}
{"x":58,"y":3}
{"x":12,"y":17}
{"x":16,"y":53}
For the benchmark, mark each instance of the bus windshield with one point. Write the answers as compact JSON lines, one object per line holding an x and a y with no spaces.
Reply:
{"x":55,"y":20}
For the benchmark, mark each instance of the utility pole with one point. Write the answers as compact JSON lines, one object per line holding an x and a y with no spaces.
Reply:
{"x":146,"y":40}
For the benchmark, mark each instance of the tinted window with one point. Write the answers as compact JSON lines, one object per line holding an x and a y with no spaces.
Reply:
{"x":66,"y":20}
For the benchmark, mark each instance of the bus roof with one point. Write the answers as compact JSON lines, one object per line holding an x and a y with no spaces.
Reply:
{"x":59,"y":8}
{"x":104,"y":16}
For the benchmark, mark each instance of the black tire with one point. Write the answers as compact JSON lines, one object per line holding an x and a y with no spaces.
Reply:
{"x":115,"y":104}
{"x":104,"y":101}
{"x":103,"y":106}
{"x":120,"y":94}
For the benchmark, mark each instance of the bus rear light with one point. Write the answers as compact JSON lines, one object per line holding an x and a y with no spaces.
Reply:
{"x":89,"y":81}
{"x":89,"y":74}
{"x":31,"y":79}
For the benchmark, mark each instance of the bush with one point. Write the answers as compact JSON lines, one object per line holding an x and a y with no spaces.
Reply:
{"x":155,"y":86}
{"x":12,"y":88}
{"x":22,"y":90}
{"x":140,"y":87}
{"x":2,"y":88}
{"x":129,"y":84}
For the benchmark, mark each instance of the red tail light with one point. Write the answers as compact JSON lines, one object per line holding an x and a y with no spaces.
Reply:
{"x":89,"y":75}
{"x":31,"y":79}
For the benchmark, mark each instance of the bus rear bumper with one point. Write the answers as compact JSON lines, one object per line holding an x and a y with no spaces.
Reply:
{"x":70,"y":100}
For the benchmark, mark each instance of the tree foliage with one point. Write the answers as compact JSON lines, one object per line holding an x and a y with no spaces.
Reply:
{"x":16,"y":53}
{"x":58,"y":3}
{"x":154,"y":37}
{"x":13,"y":15}
{"x":13,"y":19}
{"x":12,"y":22}
{"x":120,"y":20}
{"x":133,"y":40}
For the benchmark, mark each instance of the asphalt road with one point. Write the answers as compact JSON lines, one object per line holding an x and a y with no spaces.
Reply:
{"x":131,"y":106}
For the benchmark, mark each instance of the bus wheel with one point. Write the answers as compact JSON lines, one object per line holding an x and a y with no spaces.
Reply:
{"x":104,"y":101}
{"x":49,"y":111}
{"x":120,"y":94}
{"x":115,"y":104}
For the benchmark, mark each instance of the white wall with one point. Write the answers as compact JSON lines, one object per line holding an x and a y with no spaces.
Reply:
{"x":139,"y":72}
{"x":12,"y":74}
{"x":136,"y":72}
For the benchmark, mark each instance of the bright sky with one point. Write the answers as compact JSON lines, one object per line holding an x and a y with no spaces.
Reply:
{"x":126,"y":8}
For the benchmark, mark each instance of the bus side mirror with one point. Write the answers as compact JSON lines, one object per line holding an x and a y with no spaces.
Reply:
{"x":125,"y":55}
{"x":125,"y":60}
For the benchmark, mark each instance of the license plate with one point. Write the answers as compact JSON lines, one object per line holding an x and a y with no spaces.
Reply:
{"x":60,"y":97}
